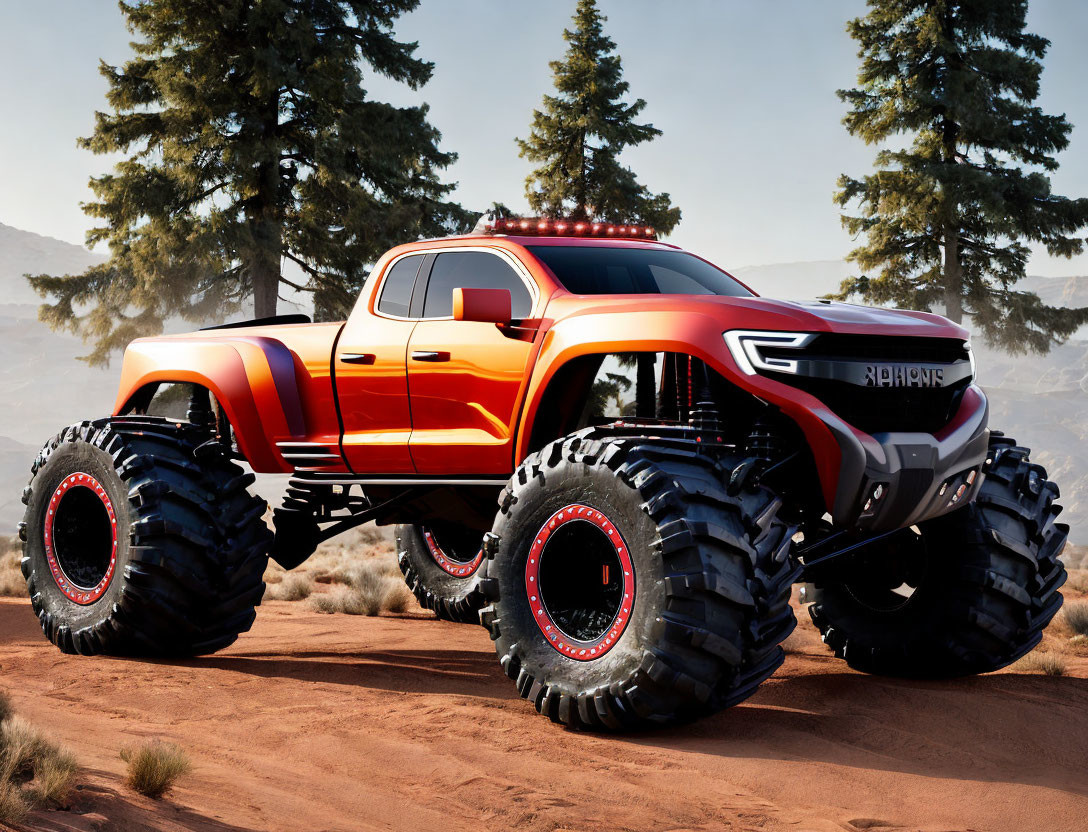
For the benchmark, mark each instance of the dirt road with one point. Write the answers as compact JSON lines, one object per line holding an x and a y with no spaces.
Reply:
{"x":317,"y":722}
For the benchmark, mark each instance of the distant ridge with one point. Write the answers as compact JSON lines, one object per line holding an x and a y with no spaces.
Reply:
{"x":24,"y":252}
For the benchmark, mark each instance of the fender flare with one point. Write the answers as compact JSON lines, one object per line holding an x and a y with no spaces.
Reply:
{"x":697,"y":335}
{"x":252,"y":377}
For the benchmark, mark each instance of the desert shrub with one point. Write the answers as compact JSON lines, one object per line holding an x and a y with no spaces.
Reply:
{"x":1079,"y":641}
{"x":1075,"y":616}
{"x":1049,"y":664}
{"x":367,"y":589}
{"x":1077,"y":581}
{"x":13,"y":806}
{"x":5,"y":706}
{"x":291,"y":588}
{"x":154,"y":767}
{"x":12,"y":583}
{"x":33,"y":770}
{"x":1075,"y":557}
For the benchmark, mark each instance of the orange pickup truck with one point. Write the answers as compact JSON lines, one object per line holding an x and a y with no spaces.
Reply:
{"x":608,"y":451}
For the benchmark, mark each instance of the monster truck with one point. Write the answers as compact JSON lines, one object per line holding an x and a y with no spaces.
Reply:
{"x":608,"y":451}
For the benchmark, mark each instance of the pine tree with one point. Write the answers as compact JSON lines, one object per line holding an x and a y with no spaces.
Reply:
{"x":948,"y":218}
{"x":580,"y":133}
{"x":250,"y":141}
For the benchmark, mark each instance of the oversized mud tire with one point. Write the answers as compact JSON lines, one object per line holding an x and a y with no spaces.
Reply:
{"x":137,"y":541}
{"x":441,"y":565}
{"x":628,"y":588}
{"x":987,"y":585}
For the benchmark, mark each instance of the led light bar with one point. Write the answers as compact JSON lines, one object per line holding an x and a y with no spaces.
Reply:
{"x":543,"y":227}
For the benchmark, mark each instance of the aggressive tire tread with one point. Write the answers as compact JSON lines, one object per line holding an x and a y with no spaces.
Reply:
{"x":198,"y":545}
{"x":726,"y":561}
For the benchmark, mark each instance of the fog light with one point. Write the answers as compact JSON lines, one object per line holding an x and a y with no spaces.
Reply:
{"x":944,"y":488}
{"x":971,"y":476}
{"x":878,"y":492}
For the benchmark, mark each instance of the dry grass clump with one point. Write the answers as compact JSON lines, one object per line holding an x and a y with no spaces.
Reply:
{"x":358,"y":567}
{"x":1049,"y":664}
{"x":155,"y":766}
{"x":34,"y":771}
{"x":1075,"y":557}
{"x":1077,"y":581}
{"x":289,"y":588}
{"x":12,"y":584}
{"x":368,"y":590}
{"x":1075,"y":617}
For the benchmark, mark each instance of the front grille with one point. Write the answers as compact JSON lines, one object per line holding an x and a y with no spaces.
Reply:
{"x":881,"y":409}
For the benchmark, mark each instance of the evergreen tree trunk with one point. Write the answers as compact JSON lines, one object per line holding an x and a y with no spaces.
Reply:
{"x":265,"y":223}
{"x":953,"y":275}
{"x":264,"y":265}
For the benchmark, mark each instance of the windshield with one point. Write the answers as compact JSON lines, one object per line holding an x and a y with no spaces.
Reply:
{"x":606,"y":270}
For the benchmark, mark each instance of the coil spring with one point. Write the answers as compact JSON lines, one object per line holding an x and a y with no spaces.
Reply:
{"x":763,"y":442}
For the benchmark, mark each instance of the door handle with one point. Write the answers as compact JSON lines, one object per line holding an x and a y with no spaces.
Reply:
{"x":430,"y":355}
{"x":357,"y":357}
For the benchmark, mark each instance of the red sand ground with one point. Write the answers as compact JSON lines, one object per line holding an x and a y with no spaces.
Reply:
{"x":317,"y":722}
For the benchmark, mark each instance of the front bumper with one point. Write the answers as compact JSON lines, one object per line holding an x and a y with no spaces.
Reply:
{"x":892,"y":480}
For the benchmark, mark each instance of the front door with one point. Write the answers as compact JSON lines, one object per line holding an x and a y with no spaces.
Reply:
{"x":466,"y":378}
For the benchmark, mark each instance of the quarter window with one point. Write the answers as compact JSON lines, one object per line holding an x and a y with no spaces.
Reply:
{"x":473,"y":270}
{"x":396,"y":298}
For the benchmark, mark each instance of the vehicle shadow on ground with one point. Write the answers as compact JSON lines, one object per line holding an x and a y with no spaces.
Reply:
{"x":995,"y":728}
{"x":457,"y":672}
{"x":1000,"y":727}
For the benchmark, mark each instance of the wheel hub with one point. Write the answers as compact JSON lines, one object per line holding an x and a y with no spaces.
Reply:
{"x":459,"y":554}
{"x":580,"y":582}
{"x":80,"y":537}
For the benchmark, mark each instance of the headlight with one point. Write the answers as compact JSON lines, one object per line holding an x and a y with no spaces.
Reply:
{"x":971,"y":355}
{"x":745,"y":346}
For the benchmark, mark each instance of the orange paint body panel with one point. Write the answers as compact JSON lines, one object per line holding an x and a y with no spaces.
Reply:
{"x":445,"y":397}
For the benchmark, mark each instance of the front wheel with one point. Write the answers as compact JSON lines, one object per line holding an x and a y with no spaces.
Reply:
{"x":971,"y":594}
{"x":629,"y":589}
{"x":139,"y":542}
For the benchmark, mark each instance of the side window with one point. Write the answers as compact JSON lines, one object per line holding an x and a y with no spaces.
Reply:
{"x":472,"y":270}
{"x":396,"y":297}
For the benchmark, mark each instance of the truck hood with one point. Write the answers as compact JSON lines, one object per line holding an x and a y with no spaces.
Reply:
{"x":771,"y":314}
{"x":818,"y":315}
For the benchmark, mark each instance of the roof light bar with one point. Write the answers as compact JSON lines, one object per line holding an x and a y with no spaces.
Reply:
{"x":545,"y":227}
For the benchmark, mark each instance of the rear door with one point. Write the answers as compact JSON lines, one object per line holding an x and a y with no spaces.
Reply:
{"x":371,"y":377}
{"x":466,"y":378}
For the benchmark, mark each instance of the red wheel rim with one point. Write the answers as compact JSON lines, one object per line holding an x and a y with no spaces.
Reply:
{"x":572,"y":648}
{"x":74,"y":592}
{"x":456,"y":568}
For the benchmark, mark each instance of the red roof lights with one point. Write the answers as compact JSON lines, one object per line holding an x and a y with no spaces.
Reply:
{"x":541,"y":227}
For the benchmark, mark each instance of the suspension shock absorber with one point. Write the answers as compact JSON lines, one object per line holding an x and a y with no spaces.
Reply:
{"x":200,"y":408}
{"x":761,"y":448}
{"x":763,"y":443}
{"x":704,"y":415}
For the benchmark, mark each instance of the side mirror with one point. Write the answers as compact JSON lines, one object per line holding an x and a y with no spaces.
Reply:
{"x":486,"y":305}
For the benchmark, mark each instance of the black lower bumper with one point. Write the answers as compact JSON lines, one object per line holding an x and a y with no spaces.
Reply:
{"x":891,"y":480}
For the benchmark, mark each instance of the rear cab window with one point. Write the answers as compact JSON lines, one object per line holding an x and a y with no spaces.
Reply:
{"x":610,"y":270}
{"x":400,"y":280}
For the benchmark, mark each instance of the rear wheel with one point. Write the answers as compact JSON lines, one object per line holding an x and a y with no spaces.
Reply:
{"x":628,"y":588}
{"x":971,"y":593}
{"x":441,"y":565}
{"x":138,"y":542}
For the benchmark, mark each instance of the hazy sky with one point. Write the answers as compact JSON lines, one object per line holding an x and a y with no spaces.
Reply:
{"x":744,"y":91}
